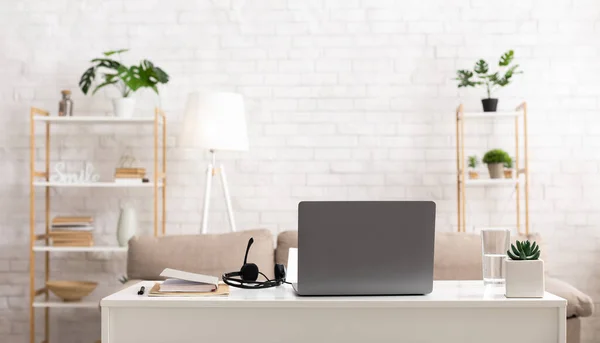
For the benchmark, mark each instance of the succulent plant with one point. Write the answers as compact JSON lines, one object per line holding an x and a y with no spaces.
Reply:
{"x":524,"y":250}
{"x":495,"y":156}
{"x":508,"y":163}
{"x":473,"y":161}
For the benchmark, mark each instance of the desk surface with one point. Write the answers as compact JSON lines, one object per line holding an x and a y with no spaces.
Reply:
{"x":453,"y":294}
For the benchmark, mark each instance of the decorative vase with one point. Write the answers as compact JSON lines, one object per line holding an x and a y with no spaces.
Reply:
{"x":496,"y":170}
{"x":489,"y":104}
{"x":127,"y":225}
{"x":524,"y":279}
{"x":508,"y":173}
{"x":473,"y":175}
{"x":124,"y":107}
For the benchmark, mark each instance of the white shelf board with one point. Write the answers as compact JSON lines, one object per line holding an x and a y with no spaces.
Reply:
{"x":93,"y":120}
{"x":483,"y":115}
{"x":80,"y":249}
{"x":491,"y":182}
{"x":95,"y":184}
{"x":58,"y":303}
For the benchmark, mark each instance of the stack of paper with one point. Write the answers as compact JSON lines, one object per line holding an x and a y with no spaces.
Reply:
{"x":183,"y":282}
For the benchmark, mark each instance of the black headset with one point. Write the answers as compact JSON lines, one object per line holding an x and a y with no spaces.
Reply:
{"x":248,"y":275}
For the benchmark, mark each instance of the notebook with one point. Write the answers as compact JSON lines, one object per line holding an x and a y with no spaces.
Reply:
{"x":180,"y":281}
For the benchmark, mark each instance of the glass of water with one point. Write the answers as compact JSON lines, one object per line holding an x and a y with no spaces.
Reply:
{"x":494,"y":244}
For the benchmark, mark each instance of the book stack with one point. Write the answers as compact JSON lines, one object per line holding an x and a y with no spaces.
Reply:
{"x":130,"y":175}
{"x":72,"y":231}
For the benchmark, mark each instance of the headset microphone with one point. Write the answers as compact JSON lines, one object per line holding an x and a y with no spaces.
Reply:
{"x":248,"y":274}
{"x":249,"y":271}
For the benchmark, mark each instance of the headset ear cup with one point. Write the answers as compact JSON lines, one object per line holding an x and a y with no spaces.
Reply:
{"x":249,"y":272}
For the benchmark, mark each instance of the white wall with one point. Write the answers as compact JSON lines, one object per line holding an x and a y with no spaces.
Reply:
{"x":347,"y":99}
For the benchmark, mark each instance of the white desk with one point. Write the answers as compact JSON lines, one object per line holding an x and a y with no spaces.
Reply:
{"x":456,"y":312}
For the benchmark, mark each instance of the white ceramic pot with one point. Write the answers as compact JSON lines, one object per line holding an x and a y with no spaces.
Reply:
{"x":524,"y":279}
{"x":124,"y":107}
{"x":127,"y":225}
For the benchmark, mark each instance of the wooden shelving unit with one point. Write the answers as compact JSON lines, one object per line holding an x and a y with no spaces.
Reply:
{"x":520,"y":180}
{"x":39,"y":243}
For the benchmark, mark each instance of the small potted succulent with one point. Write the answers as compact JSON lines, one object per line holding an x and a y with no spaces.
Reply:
{"x":524,"y":271}
{"x":126,"y":79}
{"x":491,"y":81}
{"x":495,"y":160}
{"x":473,"y":163}
{"x":508,"y":168}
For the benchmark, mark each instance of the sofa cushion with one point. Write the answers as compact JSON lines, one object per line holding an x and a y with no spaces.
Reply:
{"x":285,"y":241}
{"x":458,"y":255}
{"x":212,"y":254}
{"x":578,"y":303}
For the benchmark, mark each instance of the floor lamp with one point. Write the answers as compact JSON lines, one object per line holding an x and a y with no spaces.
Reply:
{"x":216,"y":122}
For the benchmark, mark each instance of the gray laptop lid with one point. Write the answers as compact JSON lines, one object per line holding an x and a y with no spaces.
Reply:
{"x":365,"y":247}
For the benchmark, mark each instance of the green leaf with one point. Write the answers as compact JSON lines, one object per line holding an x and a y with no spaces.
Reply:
{"x":534,"y":250}
{"x":106,"y":63}
{"x":512,"y":257}
{"x":106,"y":83}
{"x":86,"y":79}
{"x":108,"y":53}
{"x":464,"y":76}
{"x":535,"y":256}
{"x":481,"y":67}
{"x":514,"y":249}
{"x":506,"y":58}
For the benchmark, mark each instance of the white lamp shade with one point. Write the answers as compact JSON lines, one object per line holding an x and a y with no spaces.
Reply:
{"x":215,"y":121}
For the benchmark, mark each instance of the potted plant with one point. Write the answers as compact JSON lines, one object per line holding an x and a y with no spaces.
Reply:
{"x":473,"y":163}
{"x":492,"y":81}
{"x":495,"y":162}
{"x":508,"y":165}
{"x":126,"y":79}
{"x":524,"y":271}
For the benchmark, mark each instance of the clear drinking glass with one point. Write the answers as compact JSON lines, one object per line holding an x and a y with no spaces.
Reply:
{"x":494,"y":244}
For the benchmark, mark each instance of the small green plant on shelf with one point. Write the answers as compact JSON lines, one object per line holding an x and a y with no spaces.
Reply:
{"x":524,"y":251}
{"x":482,"y":76}
{"x":495,"y":160}
{"x":473,"y":163}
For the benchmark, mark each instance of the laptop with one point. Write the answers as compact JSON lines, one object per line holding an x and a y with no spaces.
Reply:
{"x":365,"y":247}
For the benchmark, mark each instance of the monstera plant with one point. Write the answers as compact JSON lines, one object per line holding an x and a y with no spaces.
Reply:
{"x":107,"y":71}
{"x":483,"y":76}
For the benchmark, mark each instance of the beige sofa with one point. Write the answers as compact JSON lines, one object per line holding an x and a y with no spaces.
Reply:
{"x":457,"y":257}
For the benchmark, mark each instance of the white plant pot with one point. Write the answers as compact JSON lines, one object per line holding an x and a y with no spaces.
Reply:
{"x":524,"y":279}
{"x":127,"y":226}
{"x":124,"y":107}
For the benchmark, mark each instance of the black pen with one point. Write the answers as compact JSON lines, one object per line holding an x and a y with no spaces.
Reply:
{"x":141,"y":291}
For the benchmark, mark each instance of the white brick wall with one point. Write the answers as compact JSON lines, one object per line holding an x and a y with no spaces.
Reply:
{"x":346,"y":100}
